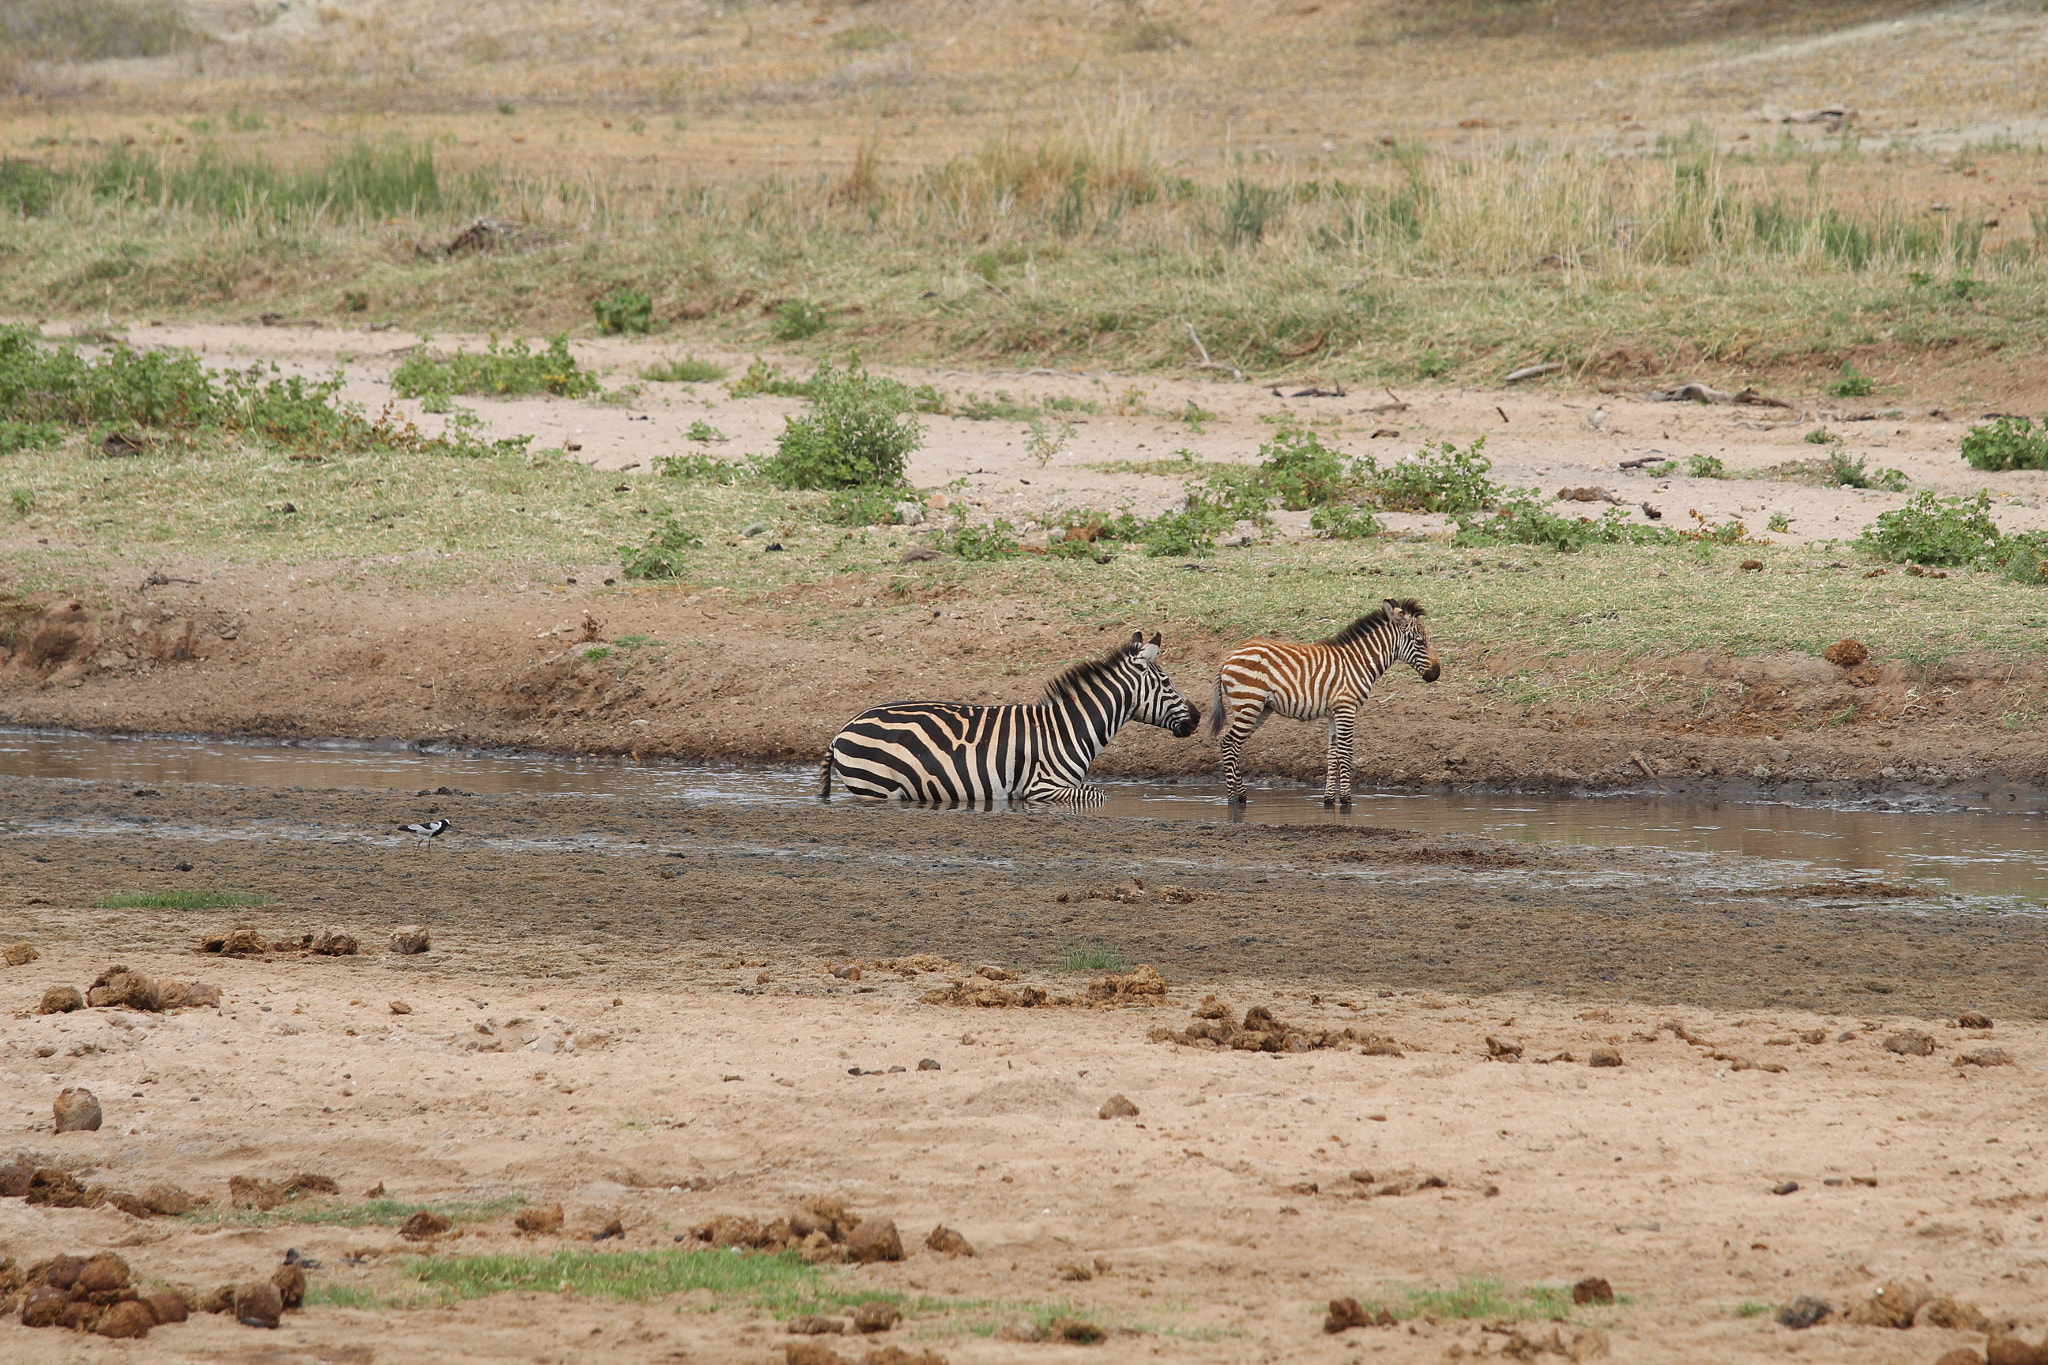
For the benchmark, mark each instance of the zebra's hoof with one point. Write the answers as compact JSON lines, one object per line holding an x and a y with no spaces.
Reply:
{"x":1344,"y":803}
{"x":1330,"y":801}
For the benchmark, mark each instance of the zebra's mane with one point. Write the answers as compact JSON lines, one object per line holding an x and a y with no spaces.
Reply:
{"x":1371,"y":620}
{"x":1071,"y":681}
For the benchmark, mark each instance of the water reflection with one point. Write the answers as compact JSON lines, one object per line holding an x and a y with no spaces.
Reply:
{"x":1971,"y":852}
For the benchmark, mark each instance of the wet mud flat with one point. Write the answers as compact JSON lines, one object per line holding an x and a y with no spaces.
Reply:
{"x":600,"y":889}
{"x":1372,"y":1065}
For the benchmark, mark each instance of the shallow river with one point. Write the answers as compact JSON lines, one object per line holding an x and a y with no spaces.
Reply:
{"x":1991,"y":859}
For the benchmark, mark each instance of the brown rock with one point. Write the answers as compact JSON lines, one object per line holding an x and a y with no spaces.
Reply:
{"x":1592,"y":1289}
{"x":77,"y":1111}
{"x":817,"y":1248}
{"x":221,"y":1300}
{"x":1603,"y":1056}
{"x":1020,"y":1329}
{"x":874,"y":1240}
{"x":129,"y":1318}
{"x":200,"y":994}
{"x":819,"y":1214}
{"x":2004,"y":1350}
{"x":1892,"y":1306}
{"x":1803,"y":1312}
{"x":423,"y":1225}
{"x":130,"y":1204}
{"x":167,"y":1307}
{"x":169,"y":1201}
{"x":896,"y":1355}
{"x":1846,"y":653}
{"x":1117,"y":1107}
{"x":1074,"y":1330}
{"x":117,"y":987}
{"x":59,"y":1272}
{"x":1961,"y":1355}
{"x":80,"y":1315}
{"x":101,"y":1273}
{"x":20,"y":954}
{"x":15,"y":1179}
{"x":331,"y":942}
{"x":1500,"y":1046}
{"x":816,"y":1327}
{"x":1910,"y":1043}
{"x":1077,"y":1272}
{"x":44,"y":1306}
{"x":1814,"y":1035}
{"x":61,"y":1000}
{"x":308,"y":1182}
{"x":616,"y":1228}
{"x":400,"y":1007}
{"x":258,"y":1304}
{"x":291,"y":1285}
{"x":60,"y":1190}
{"x":253,"y":1192}
{"x":1973,"y":1019}
{"x":876,"y":1316}
{"x":410,"y":938}
{"x":539,"y":1219}
{"x":1985,"y":1056}
{"x":944,"y":1239}
{"x":1951,"y":1314}
{"x":810,"y":1353}
{"x":1346,"y":1314}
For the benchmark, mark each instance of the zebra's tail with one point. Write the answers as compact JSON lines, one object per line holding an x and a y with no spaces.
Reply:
{"x":1216,"y":708}
{"x":826,"y":790}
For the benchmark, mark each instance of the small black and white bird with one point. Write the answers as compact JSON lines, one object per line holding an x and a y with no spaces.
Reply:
{"x":428,"y":830}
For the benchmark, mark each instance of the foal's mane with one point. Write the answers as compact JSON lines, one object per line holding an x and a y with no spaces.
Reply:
{"x":1376,"y":617}
{"x":1069,"y":682}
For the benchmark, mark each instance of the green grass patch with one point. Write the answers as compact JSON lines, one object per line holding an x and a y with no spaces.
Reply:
{"x":366,"y":180}
{"x":1479,"y":1297}
{"x":686,"y":370}
{"x":1096,"y":959}
{"x":1750,"y":1308}
{"x":498,"y":371}
{"x":95,"y":30}
{"x":177,"y":900}
{"x":317,"y":1212}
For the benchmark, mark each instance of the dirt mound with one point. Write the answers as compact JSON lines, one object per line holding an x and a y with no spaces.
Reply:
{"x":1143,"y":986}
{"x":818,"y":1229}
{"x":1260,"y":1031}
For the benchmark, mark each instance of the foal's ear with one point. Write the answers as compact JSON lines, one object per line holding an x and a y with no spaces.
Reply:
{"x":1392,"y":605}
{"x":1155,"y":639}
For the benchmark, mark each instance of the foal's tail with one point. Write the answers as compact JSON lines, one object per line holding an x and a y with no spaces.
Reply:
{"x":826,"y":790}
{"x":1216,"y":708}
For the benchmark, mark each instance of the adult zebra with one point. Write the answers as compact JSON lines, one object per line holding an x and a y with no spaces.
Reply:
{"x":1330,"y":678}
{"x":945,"y":751}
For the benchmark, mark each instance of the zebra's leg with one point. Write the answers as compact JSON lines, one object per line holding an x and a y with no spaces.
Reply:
{"x":1343,"y":722}
{"x":1234,"y":737}
{"x":1330,"y":763}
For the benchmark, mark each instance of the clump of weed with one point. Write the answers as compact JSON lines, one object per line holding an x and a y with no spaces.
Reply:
{"x":364,"y":180}
{"x":797,"y":319}
{"x":763,"y":378}
{"x":662,"y":554}
{"x":865,"y":506}
{"x":1341,"y":522}
{"x":997,"y":540}
{"x":863,"y":38}
{"x":1096,"y":959}
{"x":688,"y":370}
{"x":1851,"y":384}
{"x":1840,"y":470}
{"x":1705,"y":467}
{"x":1934,"y":530}
{"x":1299,"y":469}
{"x":857,"y":434}
{"x":2008,"y":443}
{"x":1149,"y":35}
{"x":27,"y":188}
{"x":1440,"y":478}
{"x":2023,"y":558}
{"x":499,"y":371}
{"x":1249,"y":211}
{"x":623,"y":311}
{"x":703,"y":433}
{"x":176,"y":900}
{"x":696,"y":467}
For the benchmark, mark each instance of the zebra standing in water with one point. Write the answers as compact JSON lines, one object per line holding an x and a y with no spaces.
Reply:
{"x":1330,"y":678}
{"x":946,"y":751}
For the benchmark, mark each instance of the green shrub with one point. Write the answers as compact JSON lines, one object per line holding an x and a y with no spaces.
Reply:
{"x":1192,"y":530}
{"x":688,"y":370}
{"x":498,"y":371}
{"x":365,"y":179}
{"x":1932,"y":530}
{"x":2023,"y":558}
{"x":1852,"y":384}
{"x":1441,"y":478}
{"x":703,"y":433}
{"x":1841,"y":471}
{"x":624,"y":310}
{"x":1248,"y":212}
{"x":1299,"y":469}
{"x":1340,"y":522}
{"x":796,"y":319}
{"x":1524,"y":518}
{"x":28,"y":435}
{"x":1432,"y":364}
{"x":763,"y":378}
{"x":997,"y":540}
{"x":866,"y":506}
{"x":662,"y":554}
{"x":22,"y":500}
{"x":27,"y":188}
{"x":2008,"y":443}
{"x":694,"y":467}
{"x":857,"y":434}
{"x":1705,"y":467}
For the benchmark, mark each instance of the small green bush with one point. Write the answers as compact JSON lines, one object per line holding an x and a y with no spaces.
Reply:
{"x":796,"y":319}
{"x":1705,"y":467}
{"x":1299,"y":469}
{"x":694,"y":467}
{"x":1249,"y":211}
{"x":623,"y":311}
{"x":997,"y":540}
{"x":177,"y":900}
{"x":1841,"y":471}
{"x":499,"y":371}
{"x":1340,"y":522}
{"x":1191,"y":531}
{"x":688,"y":370}
{"x":763,"y":378}
{"x":1432,"y":364}
{"x":857,"y":434}
{"x":2023,"y":558}
{"x":1933,"y":530}
{"x":2008,"y":443}
{"x":1852,"y":384}
{"x":1441,"y":478}
{"x":866,"y":506}
{"x":662,"y":554}
{"x":27,"y":188}
{"x":703,"y":433}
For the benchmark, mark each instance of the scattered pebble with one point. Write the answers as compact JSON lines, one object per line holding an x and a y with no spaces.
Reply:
{"x":1603,"y":1056}
{"x":1786,"y":1187}
{"x":410,"y":938}
{"x":77,"y":1111}
{"x":400,"y":1007}
{"x":928,"y":1064}
{"x":1115,"y":1107}
{"x":61,"y":1000}
{"x":20,"y":954}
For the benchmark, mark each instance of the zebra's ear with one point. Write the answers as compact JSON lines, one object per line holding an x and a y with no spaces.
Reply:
{"x":1155,"y":639}
{"x":1392,"y":605}
{"x":1137,"y":639}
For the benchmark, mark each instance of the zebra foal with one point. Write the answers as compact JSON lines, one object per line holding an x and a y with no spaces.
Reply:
{"x":939,"y":751}
{"x":1330,"y":678}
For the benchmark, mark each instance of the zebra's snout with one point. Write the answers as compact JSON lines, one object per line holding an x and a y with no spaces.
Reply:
{"x":1433,"y":672}
{"x":1187,"y":725}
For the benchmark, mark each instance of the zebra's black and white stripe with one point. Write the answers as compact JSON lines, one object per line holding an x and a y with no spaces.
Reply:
{"x":945,"y":752}
{"x":1330,"y":678}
